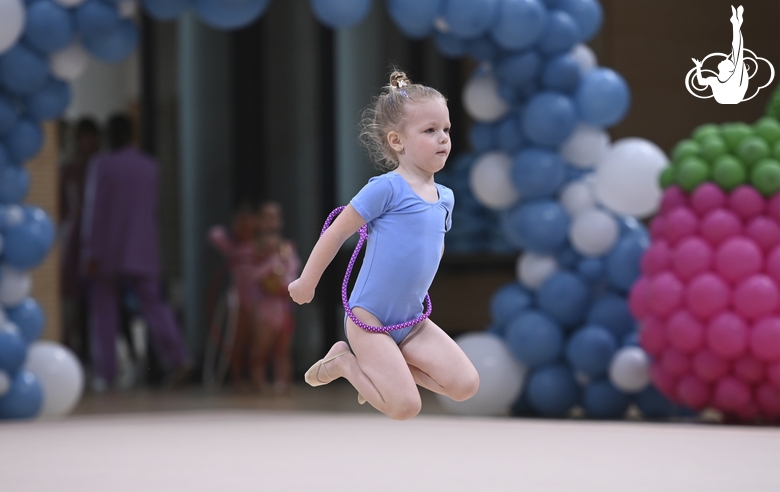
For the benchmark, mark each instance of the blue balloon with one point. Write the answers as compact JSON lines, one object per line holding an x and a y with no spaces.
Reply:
{"x":602,"y":98}
{"x":561,"y":73}
{"x":538,"y":173}
{"x":165,"y":10}
{"x":534,"y":338}
{"x":508,"y":134}
{"x":29,"y":318}
{"x":482,"y":49}
{"x":565,"y":297}
{"x":517,"y":69}
{"x":561,"y":35}
{"x":415,"y":19}
{"x":629,"y":225}
{"x":5,"y":161}
{"x":653,"y":404}
{"x":22,"y":71}
{"x":591,"y":269}
{"x":50,"y":101}
{"x":24,"y":140}
{"x":9,"y":111}
{"x":96,"y":18}
{"x":340,"y":14}
{"x":449,"y":45}
{"x":632,"y":339}
{"x":568,"y":257}
{"x":27,"y":244}
{"x":470,"y":18}
{"x":230,"y":14}
{"x":496,"y":329}
{"x":24,"y":398}
{"x":549,"y":118}
{"x":13,"y":351}
{"x":482,"y":137}
{"x":624,"y":258}
{"x":14,"y":184}
{"x":541,"y":226}
{"x":114,"y":46}
{"x":49,"y":26}
{"x":590,"y":350}
{"x":552,"y":390}
{"x":508,"y":301}
{"x":522,"y":406}
{"x":587,"y":13}
{"x":611,"y":311}
{"x":520,"y":23}
{"x":603,"y":401}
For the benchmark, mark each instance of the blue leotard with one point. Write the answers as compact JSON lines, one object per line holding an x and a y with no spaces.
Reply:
{"x":405,"y":240}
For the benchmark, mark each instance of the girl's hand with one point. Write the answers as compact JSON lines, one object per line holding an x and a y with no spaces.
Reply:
{"x":697,"y":62}
{"x":300,"y":292}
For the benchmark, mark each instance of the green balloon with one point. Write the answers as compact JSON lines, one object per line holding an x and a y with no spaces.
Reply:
{"x":685,"y":148}
{"x":777,"y":150}
{"x":713,"y":147}
{"x":734,"y":133}
{"x":668,"y":177}
{"x":767,"y":128}
{"x":728,"y":172}
{"x":692,"y":172}
{"x":766,"y":176}
{"x":701,"y":132}
{"x":752,"y":149}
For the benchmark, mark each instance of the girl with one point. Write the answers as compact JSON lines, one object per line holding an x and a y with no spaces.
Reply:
{"x":407,"y":131}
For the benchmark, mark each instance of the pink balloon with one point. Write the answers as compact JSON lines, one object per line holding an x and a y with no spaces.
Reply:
{"x":765,"y":339}
{"x":747,"y":202}
{"x":663,"y":381}
{"x":748,"y":369}
{"x":666,"y":294}
{"x":707,"y":295}
{"x":749,"y":412}
{"x":737,"y":258}
{"x":764,"y":231}
{"x":658,"y":228}
{"x":673,"y":197}
{"x":656,"y":259}
{"x":719,"y":225}
{"x":693,"y":393}
{"x":707,"y":197}
{"x":684,"y":332}
{"x":768,"y":398}
{"x":652,"y":336}
{"x":680,"y":223}
{"x":727,"y":335}
{"x":732,"y":395}
{"x":773,"y":207}
{"x":691,"y":256}
{"x":709,"y":367}
{"x":756,"y":296}
{"x":773,"y":264}
{"x":675,"y":362}
{"x":773,"y":374}
{"x":639,"y":297}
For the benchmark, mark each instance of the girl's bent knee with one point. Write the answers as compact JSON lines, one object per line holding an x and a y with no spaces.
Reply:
{"x":405,"y":409}
{"x":466,"y":388}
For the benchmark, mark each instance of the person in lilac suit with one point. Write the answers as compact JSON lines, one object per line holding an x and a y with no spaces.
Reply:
{"x":120,"y":244}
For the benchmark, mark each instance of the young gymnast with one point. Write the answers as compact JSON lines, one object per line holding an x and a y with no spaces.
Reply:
{"x":730,"y":85}
{"x":407,"y":132}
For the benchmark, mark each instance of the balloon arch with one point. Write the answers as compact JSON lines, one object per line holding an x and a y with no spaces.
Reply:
{"x":563,"y":336}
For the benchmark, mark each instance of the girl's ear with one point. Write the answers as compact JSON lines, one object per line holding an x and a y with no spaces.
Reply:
{"x":395,"y":142}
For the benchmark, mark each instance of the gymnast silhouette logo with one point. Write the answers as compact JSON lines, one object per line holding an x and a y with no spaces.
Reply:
{"x":730,"y":84}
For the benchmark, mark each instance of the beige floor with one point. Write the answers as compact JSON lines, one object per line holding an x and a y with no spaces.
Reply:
{"x":322,"y":440}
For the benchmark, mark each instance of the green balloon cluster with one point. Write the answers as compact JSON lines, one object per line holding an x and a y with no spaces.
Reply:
{"x":728,"y":155}
{"x":773,"y":108}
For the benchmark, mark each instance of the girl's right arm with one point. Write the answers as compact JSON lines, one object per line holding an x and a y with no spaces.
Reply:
{"x":346,"y":224}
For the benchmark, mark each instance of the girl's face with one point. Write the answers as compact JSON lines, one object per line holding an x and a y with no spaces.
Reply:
{"x":269,"y":218}
{"x":425,"y":137}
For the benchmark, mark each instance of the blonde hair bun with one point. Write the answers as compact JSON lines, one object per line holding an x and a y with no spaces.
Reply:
{"x":399,"y":79}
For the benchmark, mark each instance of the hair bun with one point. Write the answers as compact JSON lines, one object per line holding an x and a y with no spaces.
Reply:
{"x":399,"y":79}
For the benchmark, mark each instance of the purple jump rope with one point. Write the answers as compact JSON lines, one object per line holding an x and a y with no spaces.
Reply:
{"x":376,"y":329}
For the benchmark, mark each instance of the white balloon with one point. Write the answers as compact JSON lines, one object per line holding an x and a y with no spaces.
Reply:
{"x":128,"y":8}
{"x":482,"y":100}
{"x":69,"y":63}
{"x":69,"y":3}
{"x":491,"y":181}
{"x":627,"y":177}
{"x":5,"y":382}
{"x":60,"y":374}
{"x":14,"y":286}
{"x":533,"y":269}
{"x":586,"y":146}
{"x":585,"y":58}
{"x":501,"y":376}
{"x":577,"y":197}
{"x":629,"y":370}
{"x":593,"y":232}
{"x":12,"y":19}
{"x":14,"y":215}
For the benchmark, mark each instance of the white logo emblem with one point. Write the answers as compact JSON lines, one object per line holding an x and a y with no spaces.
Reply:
{"x":735,"y":70}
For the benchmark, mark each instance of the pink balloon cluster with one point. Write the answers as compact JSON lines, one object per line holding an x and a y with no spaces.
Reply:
{"x":708,"y":300}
